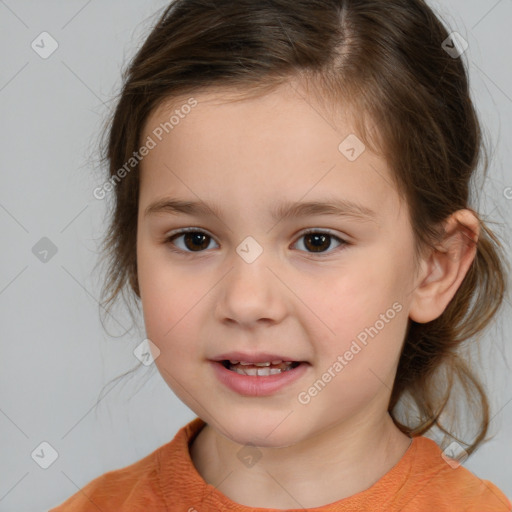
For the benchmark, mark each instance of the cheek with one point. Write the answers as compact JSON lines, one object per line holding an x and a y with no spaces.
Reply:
{"x":169,"y":312}
{"x":171,"y":325}
{"x":366,"y":311}
{"x":361,"y":363}
{"x":356,"y":298}
{"x":171,"y":302}
{"x":162,"y":296}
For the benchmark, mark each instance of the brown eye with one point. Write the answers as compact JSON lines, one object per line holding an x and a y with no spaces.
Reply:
{"x":196,"y":241}
{"x":193,"y":241}
{"x":320,"y":241}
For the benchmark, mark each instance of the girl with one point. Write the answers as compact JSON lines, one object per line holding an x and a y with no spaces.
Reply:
{"x":291,"y":183}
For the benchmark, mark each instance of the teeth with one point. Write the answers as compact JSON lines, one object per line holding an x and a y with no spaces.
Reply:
{"x":261,"y":369}
{"x":244,"y":363}
{"x":260,"y":372}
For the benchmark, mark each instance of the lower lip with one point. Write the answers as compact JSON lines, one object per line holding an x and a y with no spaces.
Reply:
{"x":254,"y":385}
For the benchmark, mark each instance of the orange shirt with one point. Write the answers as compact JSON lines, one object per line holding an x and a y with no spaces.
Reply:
{"x":166,"y":480}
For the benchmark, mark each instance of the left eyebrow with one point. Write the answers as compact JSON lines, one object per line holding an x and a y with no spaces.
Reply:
{"x":335,"y":207}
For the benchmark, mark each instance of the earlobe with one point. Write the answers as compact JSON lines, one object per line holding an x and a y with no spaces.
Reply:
{"x":444,"y":268}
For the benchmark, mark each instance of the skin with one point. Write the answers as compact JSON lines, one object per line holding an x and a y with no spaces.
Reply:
{"x":249,"y":156}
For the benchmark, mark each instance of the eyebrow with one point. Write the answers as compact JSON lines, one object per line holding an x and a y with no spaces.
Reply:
{"x":335,"y":207}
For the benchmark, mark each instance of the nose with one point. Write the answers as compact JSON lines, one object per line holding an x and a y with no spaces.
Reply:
{"x":252,"y":293}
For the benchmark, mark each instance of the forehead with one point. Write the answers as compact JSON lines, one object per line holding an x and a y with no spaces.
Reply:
{"x":283,"y":141}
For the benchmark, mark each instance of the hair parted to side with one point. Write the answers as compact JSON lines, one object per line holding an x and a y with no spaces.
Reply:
{"x":385,"y":59}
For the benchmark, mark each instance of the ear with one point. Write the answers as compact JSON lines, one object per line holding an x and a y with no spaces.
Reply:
{"x":443,"y":269}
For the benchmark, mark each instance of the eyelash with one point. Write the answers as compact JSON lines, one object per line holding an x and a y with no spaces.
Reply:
{"x":169,"y":241}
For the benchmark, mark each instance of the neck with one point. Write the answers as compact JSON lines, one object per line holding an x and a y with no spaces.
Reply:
{"x":334,"y":464}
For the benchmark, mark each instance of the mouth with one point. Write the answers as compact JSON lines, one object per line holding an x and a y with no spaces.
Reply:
{"x":262,"y":369}
{"x":257,"y":375}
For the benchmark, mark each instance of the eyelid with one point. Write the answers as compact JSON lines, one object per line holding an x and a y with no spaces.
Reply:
{"x":306,"y":231}
{"x":341,"y":239}
{"x":178,"y":232}
{"x":188,"y":229}
{"x":182,"y":231}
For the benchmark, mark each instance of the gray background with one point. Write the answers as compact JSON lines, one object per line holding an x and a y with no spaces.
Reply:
{"x":56,"y":354}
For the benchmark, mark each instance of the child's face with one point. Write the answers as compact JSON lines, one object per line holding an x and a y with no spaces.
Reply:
{"x":342,"y":310}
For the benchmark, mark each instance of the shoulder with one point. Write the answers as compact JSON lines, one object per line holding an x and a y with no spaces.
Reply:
{"x":441,"y":482}
{"x":137,"y":484}
{"x":148,"y":484}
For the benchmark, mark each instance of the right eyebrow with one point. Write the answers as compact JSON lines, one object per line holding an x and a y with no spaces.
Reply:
{"x":176,"y":206}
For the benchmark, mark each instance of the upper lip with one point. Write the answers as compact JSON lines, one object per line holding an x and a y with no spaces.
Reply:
{"x":260,"y":357}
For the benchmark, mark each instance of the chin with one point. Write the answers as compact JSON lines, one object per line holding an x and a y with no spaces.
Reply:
{"x":271,"y":431}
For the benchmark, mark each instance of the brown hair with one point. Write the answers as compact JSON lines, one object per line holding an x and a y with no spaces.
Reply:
{"x":386,"y":59}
